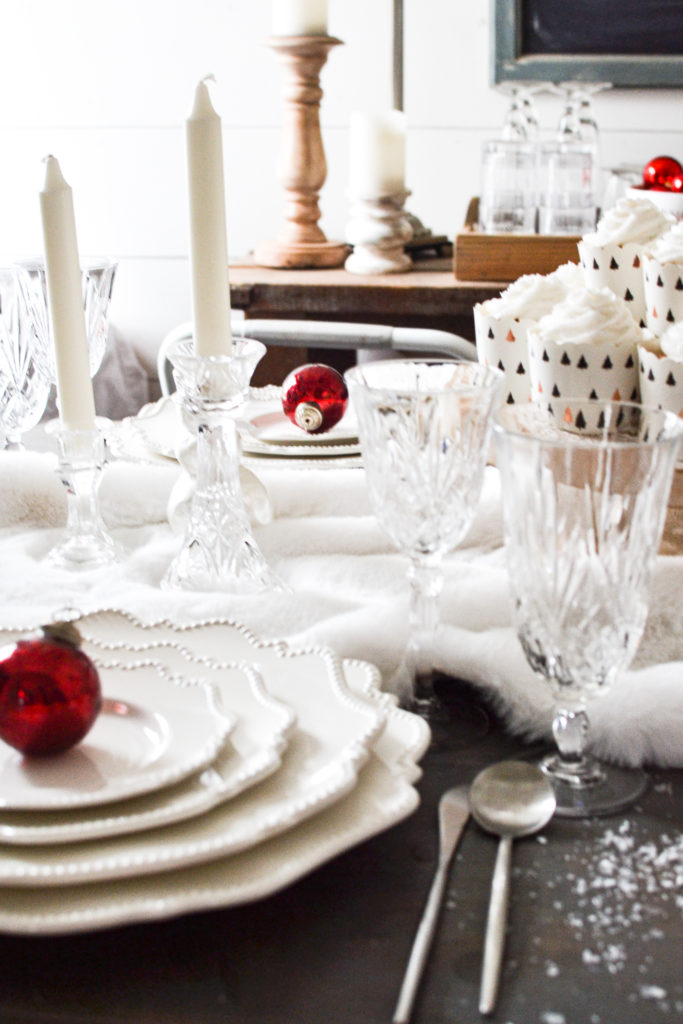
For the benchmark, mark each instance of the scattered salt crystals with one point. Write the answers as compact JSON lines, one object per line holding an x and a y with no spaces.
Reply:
{"x":551,"y":969}
{"x":553,"y":1018}
{"x":652,"y":992}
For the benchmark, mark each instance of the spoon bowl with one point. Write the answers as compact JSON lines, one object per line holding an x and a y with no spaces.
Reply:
{"x":510,"y":799}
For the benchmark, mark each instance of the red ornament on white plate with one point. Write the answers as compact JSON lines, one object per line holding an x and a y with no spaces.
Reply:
{"x":314,"y":397}
{"x":660,"y":172}
{"x":50,"y":693}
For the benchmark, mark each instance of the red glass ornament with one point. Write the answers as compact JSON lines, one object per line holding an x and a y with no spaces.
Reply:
{"x":314,"y":397}
{"x":677,"y":183}
{"x":660,"y":171}
{"x":50,"y":693}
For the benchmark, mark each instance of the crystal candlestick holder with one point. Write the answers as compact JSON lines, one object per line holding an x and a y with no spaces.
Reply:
{"x":379,"y":230}
{"x":87,"y":542}
{"x":218,"y":551}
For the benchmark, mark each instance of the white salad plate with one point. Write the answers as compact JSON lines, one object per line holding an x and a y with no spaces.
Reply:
{"x":274,"y":428}
{"x":327,"y":748}
{"x":152,"y":732}
{"x":383,"y":796}
{"x":254,"y":751}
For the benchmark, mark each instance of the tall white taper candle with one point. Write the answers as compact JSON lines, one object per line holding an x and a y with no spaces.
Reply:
{"x":65,"y":299}
{"x":208,"y":233}
{"x":299,"y":17}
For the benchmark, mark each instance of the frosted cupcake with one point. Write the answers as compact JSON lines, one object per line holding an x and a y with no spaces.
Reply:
{"x":587,"y":347}
{"x":501,"y":324}
{"x":612,"y":255}
{"x":661,"y":371}
{"x":663,"y":280}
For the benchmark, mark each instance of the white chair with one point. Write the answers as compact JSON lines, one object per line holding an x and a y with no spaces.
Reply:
{"x":374,"y":339}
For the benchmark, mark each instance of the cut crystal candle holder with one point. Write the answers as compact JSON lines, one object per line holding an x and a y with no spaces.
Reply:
{"x":219,"y":551}
{"x":87,"y":542}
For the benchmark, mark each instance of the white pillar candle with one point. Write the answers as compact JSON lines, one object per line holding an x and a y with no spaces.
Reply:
{"x":377,"y":154}
{"x":208,"y":233}
{"x":65,"y":299}
{"x":300,"y":17}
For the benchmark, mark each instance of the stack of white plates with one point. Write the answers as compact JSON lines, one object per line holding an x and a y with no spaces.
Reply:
{"x":221,"y":769}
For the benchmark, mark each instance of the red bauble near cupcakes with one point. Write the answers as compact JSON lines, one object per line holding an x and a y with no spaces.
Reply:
{"x":50,"y":692}
{"x":314,"y":397}
{"x":661,"y":172}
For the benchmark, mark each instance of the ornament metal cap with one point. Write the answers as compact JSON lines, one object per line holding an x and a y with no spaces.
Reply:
{"x":308,"y":416}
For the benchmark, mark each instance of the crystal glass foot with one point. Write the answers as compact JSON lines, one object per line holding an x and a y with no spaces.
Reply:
{"x":87,"y":542}
{"x":24,"y":377}
{"x":219,"y":551}
{"x":424,"y":429}
{"x":585,"y":488}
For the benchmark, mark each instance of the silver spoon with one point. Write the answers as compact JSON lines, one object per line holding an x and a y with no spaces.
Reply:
{"x":510,"y":799}
{"x":453,"y":814}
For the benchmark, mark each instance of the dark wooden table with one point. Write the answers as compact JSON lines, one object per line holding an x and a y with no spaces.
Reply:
{"x":428,"y":296}
{"x":594,"y":931}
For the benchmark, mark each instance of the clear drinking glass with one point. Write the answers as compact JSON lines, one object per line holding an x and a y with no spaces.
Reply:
{"x":583,"y":516}
{"x":424,"y":429}
{"x":24,"y":375}
{"x":507,"y":200}
{"x":567,"y":189}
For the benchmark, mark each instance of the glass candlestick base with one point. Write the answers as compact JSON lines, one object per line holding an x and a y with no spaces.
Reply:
{"x":87,"y":542}
{"x":219,"y":551}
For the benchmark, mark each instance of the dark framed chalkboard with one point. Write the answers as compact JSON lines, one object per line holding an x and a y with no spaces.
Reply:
{"x":637,"y":43}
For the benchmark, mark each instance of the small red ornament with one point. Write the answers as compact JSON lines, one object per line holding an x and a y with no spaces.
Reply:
{"x":660,"y":172}
{"x":677,"y":183}
{"x":50,"y":693}
{"x":314,"y":397}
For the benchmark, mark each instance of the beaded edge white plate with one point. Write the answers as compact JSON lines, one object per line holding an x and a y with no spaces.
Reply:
{"x":253,"y":752}
{"x":326,"y":750}
{"x":384,"y":795}
{"x":154,"y":730}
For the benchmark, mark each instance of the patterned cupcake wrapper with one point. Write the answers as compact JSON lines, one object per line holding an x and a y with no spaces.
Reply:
{"x":605,"y":372}
{"x":619,"y":268}
{"x":502,"y":342}
{"x":661,"y":381}
{"x":663,"y":283}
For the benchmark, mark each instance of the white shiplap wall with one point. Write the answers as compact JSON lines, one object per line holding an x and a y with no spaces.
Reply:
{"x":106,"y":88}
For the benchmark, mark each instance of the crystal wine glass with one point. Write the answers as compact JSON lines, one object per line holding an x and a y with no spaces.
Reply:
{"x":24,"y":376}
{"x":584,"y":501}
{"x":424,"y":429}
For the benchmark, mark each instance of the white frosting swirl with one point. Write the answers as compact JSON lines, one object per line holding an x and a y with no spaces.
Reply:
{"x":590,"y":317}
{"x":672,"y":342}
{"x":668,"y":248}
{"x":631,"y":220}
{"x":532,"y":296}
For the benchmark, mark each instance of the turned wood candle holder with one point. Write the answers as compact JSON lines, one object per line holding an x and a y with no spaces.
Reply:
{"x":302,"y":165}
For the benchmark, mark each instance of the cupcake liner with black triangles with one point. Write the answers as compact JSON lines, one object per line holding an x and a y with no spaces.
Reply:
{"x":502,"y":342}
{"x":619,"y":268}
{"x":661,"y":380}
{"x":663,"y":283}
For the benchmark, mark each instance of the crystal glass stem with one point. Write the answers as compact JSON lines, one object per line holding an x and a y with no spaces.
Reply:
{"x":426,"y":578}
{"x":87,"y":543}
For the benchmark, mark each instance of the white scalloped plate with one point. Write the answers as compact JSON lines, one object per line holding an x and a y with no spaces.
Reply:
{"x":151,"y":733}
{"x":384,"y":795}
{"x":328,"y":747}
{"x":254,"y":752}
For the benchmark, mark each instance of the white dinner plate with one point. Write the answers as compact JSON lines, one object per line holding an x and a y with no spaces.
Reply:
{"x":384,"y":795}
{"x":274,"y":428}
{"x":326,"y":750}
{"x":253,"y":752}
{"x":152,"y":732}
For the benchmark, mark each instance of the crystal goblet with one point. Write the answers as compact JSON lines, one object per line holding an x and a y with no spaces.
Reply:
{"x":424,"y":429}
{"x":584,"y":501}
{"x":24,"y":375}
{"x":97,"y":282}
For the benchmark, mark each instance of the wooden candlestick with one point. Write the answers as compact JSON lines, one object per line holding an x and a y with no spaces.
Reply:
{"x":302,"y":166}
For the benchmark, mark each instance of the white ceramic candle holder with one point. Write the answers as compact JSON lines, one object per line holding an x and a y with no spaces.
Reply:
{"x":87,"y":543}
{"x":378,"y":231}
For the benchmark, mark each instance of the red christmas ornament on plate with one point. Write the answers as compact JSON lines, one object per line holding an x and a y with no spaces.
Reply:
{"x":660,"y":172}
{"x":50,"y":693}
{"x":314,"y":397}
